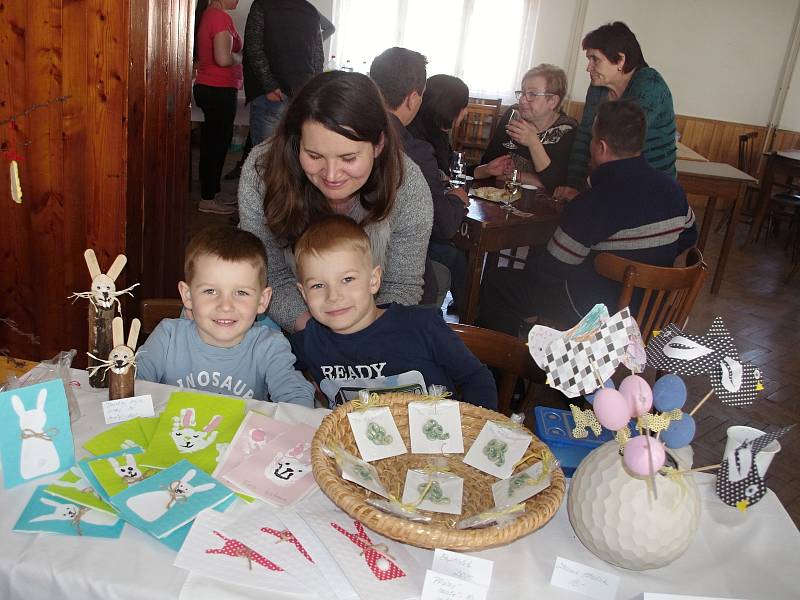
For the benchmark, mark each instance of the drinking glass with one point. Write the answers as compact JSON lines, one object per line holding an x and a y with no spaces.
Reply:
{"x":457,"y":169}
{"x":512,"y":185}
{"x":514,"y":116}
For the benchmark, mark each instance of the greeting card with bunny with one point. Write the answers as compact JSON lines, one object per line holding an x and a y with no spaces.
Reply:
{"x":281,"y":472}
{"x":168,"y":500}
{"x":55,"y":515}
{"x":35,"y":433}
{"x":195,"y":427}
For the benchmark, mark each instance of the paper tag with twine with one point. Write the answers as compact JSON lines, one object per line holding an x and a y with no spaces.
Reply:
{"x":352,"y":468}
{"x":395,"y":507}
{"x":527,"y":483}
{"x":376,"y":433}
{"x":500,"y":517}
{"x":498,"y":448}
{"x":434,"y":426}
{"x":434,"y":489}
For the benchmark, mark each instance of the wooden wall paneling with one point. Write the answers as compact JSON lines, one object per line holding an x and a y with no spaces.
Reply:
{"x":44,"y":171}
{"x":16,"y":292}
{"x":77,"y":170}
{"x":138,"y":32}
{"x":785,"y":140}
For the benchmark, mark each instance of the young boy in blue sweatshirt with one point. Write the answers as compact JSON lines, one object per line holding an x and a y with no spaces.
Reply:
{"x":219,"y":350}
{"x":350,"y":337}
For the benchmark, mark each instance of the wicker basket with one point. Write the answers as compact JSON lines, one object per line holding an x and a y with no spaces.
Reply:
{"x":441,"y":532}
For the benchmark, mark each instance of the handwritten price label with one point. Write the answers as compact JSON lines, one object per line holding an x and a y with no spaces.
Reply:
{"x":584,"y":580}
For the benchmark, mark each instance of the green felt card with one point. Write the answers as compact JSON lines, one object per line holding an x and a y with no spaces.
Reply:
{"x":126,"y":435}
{"x":195,"y":427}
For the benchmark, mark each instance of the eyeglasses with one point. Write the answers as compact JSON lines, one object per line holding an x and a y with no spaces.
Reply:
{"x":529,"y":96}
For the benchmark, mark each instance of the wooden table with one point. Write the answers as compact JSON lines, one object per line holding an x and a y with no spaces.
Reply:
{"x":489,"y":228}
{"x":13,"y":366}
{"x":686,"y":153}
{"x":715,"y":180}
{"x":782,"y":163}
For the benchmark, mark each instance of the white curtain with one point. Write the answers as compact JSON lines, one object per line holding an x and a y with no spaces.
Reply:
{"x":486,"y":43}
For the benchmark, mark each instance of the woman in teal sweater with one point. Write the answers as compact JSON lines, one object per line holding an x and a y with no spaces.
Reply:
{"x":618,"y":70}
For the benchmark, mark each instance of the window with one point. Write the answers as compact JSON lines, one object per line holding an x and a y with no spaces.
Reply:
{"x":486,"y":43}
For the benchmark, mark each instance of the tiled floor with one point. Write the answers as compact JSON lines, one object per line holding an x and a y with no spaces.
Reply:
{"x":762,"y":313}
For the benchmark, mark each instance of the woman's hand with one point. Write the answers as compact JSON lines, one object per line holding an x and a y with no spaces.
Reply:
{"x":301,"y":321}
{"x":275,"y":95}
{"x":459,"y":193}
{"x":523,"y":133}
{"x":564,"y":192}
{"x":502,"y":165}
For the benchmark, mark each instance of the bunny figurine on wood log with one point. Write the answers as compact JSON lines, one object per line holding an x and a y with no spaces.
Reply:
{"x":102,"y":297}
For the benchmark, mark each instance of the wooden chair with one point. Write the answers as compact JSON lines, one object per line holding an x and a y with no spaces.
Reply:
{"x":152,"y":310}
{"x":477,"y":128}
{"x":669,"y":293}
{"x":502,"y":352}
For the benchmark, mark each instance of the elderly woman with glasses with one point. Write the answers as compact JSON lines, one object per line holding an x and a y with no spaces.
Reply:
{"x":542,"y":134}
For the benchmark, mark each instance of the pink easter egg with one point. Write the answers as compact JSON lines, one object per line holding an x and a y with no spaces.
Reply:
{"x":638,"y":394}
{"x":637,"y":458}
{"x":611,"y":409}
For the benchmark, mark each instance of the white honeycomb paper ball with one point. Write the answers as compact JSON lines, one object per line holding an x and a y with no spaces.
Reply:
{"x":616,"y":517}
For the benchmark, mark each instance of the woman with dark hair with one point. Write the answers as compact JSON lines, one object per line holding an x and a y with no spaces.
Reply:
{"x":618,"y":71}
{"x":543,"y":133}
{"x":219,"y":77}
{"x":444,"y":105}
{"x":335,"y":151}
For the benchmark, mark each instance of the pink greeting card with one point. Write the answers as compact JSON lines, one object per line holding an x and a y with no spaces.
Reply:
{"x":255,"y":432}
{"x":280,"y":473}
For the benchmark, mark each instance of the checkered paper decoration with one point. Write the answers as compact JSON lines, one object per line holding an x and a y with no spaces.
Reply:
{"x":739,"y":483}
{"x":579,"y":364}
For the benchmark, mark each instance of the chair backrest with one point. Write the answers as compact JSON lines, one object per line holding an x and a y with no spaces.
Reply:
{"x":152,"y":310}
{"x":747,"y":153}
{"x":668,"y":294}
{"x":477,"y":127}
{"x":502,"y":352}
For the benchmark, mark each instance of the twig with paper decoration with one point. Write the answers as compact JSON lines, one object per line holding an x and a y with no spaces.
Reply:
{"x":582,"y":359}
{"x":102,"y":297}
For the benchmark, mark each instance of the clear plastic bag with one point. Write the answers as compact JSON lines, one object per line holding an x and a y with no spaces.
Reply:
{"x":55,"y":368}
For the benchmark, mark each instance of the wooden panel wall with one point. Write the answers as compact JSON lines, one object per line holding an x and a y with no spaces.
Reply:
{"x":717,"y":140}
{"x":106,"y":168}
{"x":73,"y":172}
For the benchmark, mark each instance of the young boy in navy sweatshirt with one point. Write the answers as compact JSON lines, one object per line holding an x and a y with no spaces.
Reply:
{"x":350,"y":337}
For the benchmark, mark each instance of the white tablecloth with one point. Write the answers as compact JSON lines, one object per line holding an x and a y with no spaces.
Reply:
{"x":752,"y":555}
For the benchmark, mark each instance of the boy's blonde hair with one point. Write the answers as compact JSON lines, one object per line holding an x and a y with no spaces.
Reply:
{"x":334,"y":232}
{"x":228,"y":244}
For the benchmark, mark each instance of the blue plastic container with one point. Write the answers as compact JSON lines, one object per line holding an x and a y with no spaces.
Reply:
{"x":554,"y":427}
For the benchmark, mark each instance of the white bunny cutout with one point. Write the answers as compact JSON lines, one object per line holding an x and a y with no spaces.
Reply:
{"x":38,"y":455}
{"x":129,"y":472}
{"x":104,"y":293}
{"x":76,"y":514}
{"x":151,"y":506}
{"x":188,"y":439}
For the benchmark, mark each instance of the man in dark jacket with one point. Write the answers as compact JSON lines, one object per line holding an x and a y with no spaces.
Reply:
{"x":400,"y":74}
{"x":282,"y":50}
{"x":631,"y":210}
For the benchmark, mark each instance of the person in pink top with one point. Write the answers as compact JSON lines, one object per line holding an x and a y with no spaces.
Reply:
{"x":218,"y":49}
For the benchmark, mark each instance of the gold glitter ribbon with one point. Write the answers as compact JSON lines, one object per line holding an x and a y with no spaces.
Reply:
{"x":445,"y":395}
{"x":504,"y":512}
{"x":371,"y":402}
{"x":658,"y":421}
